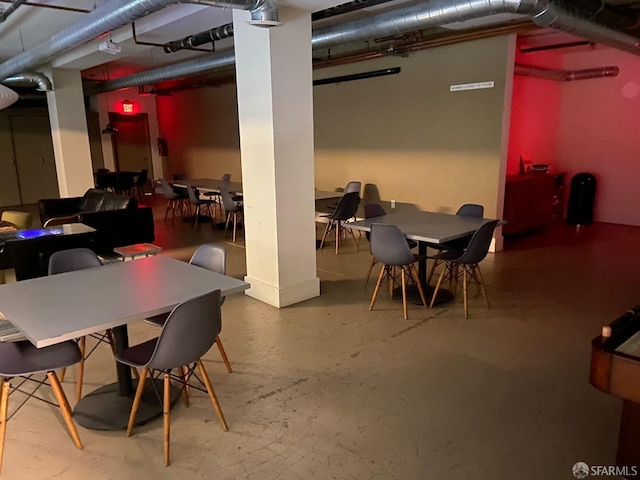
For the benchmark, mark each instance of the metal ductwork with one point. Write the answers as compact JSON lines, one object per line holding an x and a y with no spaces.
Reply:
{"x":345,"y":8}
{"x":30,"y":79}
{"x":399,"y":21}
{"x":565,"y":75}
{"x":197,"y":39}
{"x":112,"y":15}
{"x":12,"y":8}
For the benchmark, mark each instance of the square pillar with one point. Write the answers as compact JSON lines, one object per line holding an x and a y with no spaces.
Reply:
{"x":275,"y":111}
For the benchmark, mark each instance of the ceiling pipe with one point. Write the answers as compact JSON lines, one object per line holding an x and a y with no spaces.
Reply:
{"x":197,"y":39}
{"x":345,"y":8}
{"x":565,"y":75}
{"x":394,"y":22}
{"x":30,"y":79}
{"x":115,"y":14}
{"x":12,"y":8}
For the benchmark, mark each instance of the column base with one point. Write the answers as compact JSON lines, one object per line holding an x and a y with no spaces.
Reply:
{"x":285,"y":295}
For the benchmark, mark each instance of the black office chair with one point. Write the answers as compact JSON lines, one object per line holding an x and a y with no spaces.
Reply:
{"x":469,"y":260}
{"x":139,"y":184}
{"x":189,"y":332}
{"x":346,"y":210}
{"x":373,"y":210}
{"x":212,"y":257}
{"x":68,"y":261}
{"x":389,"y":246}
{"x":22,"y":359}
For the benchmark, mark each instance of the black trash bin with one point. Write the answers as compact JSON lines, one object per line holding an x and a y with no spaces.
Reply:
{"x":581,"y":199}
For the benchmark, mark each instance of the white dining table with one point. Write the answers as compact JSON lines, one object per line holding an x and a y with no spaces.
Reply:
{"x":52,"y":309}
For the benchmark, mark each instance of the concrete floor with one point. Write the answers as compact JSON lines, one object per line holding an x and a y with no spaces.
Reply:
{"x":328,"y":390}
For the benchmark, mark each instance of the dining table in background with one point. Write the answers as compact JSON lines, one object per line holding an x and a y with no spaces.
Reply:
{"x":53,"y":309}
{"x":427,"y":227}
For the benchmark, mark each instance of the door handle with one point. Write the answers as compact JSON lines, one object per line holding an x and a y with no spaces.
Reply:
{"x":13,"y":161}
{"x":41,"y":160}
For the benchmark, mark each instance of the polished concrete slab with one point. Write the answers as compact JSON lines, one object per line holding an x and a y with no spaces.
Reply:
{"x":326,"y":389}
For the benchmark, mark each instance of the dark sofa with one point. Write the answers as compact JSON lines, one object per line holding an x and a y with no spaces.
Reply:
{"x":118,"y":219}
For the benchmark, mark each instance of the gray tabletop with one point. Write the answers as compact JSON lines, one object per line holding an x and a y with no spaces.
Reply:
{"x":209,"y":185}
{"x":53,"y":309}
{"x":426,"y":226}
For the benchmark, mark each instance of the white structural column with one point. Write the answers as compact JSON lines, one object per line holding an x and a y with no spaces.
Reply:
{"x":69,"y":133}
{"x":275,"y":110}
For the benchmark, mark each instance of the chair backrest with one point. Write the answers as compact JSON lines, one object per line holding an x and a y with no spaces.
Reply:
{"x":193,"y":198}
{"x":471,"y":210}
{"x":188,"y":333}
{"x":102,"y":170}
{"x":179,"y":176}
{"x":347,"y":206}
{"x":353,"y":187}
{"x":22,"y":220}
{"x":212,"y":257}
{"x":479,"y":244}
{"x":227,"y":200}
{"x":389,"y":245}
{"x":72,"y":259}
{"x":167,"y":191}
{"x":142,"y":178}
{"x":226,"y":177}
{"x":372,"y":210}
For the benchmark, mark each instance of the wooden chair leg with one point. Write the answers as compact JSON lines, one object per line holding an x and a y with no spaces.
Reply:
{"x":184,"y":375}
{"x":464,"y":290}
{"x":373,"y":262}
{"x":481,"y":280}
{"x":432,"y":270}
{"x":63,"y":373}
{"x":338,"y":228}
{"x":413,"y":271}
{"x":375,"y":291}
{"x":435,"y":290}
{"x":4,"y":406}
{"x":223,"y":354}
{"x":324,"y":235}
{"x":212,"y":395}
{"x":136,"y":400}
{"x":404,"y":295}
{"x":65,"y":409}
{"x":82,"y":343}
{"x":166,"y":416}
{"x":109,"y":336}
{"x":235,"y":224}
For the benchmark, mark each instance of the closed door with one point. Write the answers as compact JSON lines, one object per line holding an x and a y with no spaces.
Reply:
{"x":131,"y":146}
{"x":35,"y":161}
{"x":10,"y":191}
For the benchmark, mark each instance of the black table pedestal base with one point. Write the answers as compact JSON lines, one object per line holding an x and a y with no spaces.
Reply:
{"x":413,"y":295}
{"x":106,"y":409}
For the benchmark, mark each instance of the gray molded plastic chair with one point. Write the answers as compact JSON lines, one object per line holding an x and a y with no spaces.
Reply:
{"x":226,"y":177}
{"x":466,"y":210}
{"x":234,"y":210}
{"x":373,"y":210}
{"x":22,"y":359}
{"x":68,"y":261}
{"x":353,"y":187}
{"x":469,"y":260}
{"x":389,"y":246}
{"x":212,"y":257}
{"x":346,"y":210}
{"x":140,"y":183}
{"x":189,"y":332}
{"x":174,"y":201}
{"x":203,"y":207}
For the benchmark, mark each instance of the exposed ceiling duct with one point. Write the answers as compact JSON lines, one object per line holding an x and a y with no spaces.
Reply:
{"x":30,"y":79}
{"x":12,"y":8}
{"x":115,"y":14}
{"x":197,"y":39}
{"x":565,"y":75}
{"x":404,"y":20}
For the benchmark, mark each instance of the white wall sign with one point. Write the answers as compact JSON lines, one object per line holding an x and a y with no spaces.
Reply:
{"x":470,"y":86}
